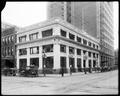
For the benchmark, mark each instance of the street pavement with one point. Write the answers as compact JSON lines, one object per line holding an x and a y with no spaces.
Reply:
{"x":77,"y":83}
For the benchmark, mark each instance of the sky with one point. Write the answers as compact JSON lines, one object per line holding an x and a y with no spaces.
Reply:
{"x":24,"y":14}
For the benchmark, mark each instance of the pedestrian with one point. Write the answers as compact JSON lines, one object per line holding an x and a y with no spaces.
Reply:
{"x":44,"y":71}
{"x":70,"y":69}
{"x":62,"y":71}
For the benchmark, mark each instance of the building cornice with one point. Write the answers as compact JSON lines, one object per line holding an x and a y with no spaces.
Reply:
{"x":60,"y":38}
{"x":60,"y":22}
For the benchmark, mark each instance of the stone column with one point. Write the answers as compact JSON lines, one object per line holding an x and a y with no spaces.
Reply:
{"x":56,"y":56}
{"x":28,"y":56}
{"x":81,"y":58}
{"x":40,"y":57}
{"x":67,"y":58}
{"x":17,"y":59}
{"x":86,"y":59}
{"x":75,"y":59}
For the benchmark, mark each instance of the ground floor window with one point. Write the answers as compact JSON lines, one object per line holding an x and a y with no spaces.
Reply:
{"x":9,"y":63}
{"x":79,"y":64}
{"x":63,"y":62}
{"x":72,"y":63}
{"x":94,"y":63}
{"x":22,"y":63}
{"x":84,"y":63}
{"x":90,"y":63}
{"x":48,"y":62}
{"x":34,"y":61}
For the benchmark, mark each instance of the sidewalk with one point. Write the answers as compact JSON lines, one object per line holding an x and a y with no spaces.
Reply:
{"x":68,"y":74}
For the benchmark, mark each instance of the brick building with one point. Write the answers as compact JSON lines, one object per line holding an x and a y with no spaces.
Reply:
{"x":8,"y":48}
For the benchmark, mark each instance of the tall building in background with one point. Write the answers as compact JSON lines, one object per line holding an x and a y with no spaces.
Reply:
{"x":96,"y":18}
{"x":106,"y":33}
{"x":8,"y":48}
{"x":76,"y":13}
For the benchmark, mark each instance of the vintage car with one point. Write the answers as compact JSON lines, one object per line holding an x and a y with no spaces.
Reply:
{"x":29,"y":71}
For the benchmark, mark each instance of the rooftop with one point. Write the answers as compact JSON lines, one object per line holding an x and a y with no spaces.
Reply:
{"x":57,"y":21}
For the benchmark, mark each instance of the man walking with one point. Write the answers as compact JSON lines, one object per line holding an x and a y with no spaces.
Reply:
{"x":62,"y":71}
{"x":70,"y":69}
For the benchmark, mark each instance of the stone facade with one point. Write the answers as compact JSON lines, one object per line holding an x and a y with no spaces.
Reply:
{"x":61,"y":49}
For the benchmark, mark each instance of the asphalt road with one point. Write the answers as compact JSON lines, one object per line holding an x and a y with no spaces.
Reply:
{"x":78,"y":83}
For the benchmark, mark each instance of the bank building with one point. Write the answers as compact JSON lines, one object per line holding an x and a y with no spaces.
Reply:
{"x":55,"y":44}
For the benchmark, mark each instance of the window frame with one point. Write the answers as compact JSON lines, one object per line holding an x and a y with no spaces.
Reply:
{"x":25,"y":50}
{"x":63,"y":46}
{"x":78,"y":51}
{"x":48,"y":35}
{"x":62,"y":34}
{"x":73,"y":36}
{"x":21,"y":38}
{"x":48,"y":46}
{"x":31,"y":36}
{"x":73,"y":49}
{"x":32,"y":50}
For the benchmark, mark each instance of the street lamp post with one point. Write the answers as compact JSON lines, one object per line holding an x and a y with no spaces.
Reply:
{"x":44,"y":57}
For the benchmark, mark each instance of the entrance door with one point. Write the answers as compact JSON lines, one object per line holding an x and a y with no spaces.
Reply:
{"x":72,"y":62}
{"x":48,"y":64}
{"x":22,"y":63}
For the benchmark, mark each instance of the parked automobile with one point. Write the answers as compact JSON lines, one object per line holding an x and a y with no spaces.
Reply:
{"x":9,"y":71}
{"x":29,"y":71}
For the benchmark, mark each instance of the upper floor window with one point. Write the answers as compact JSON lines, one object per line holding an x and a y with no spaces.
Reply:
{"x":63,"y":33}
{"x":3,"y":40}
{"x":78,"y":51}
{"x":23,"y":51}
{"x":78,"y":39}
{"x":11,"y":50}
{"x":71,"y":50}
{"x":89,"y":54}
{"x":33,"y":36}
{"x":34,"y":50}
{"x":6,"y":40}
{"x":9,"y":39}
{"x":63,"y":48}
{"x":48,"y":48}
{"x":93,"y":45}
{"x":12,"y":38}
{"x":6,"y":51}
{"x":97,"y":55}
{"x":89,"y":43}
{"x":22,"y":38}
{"x":47,"y":33}
{"x":84,"y":51}
{"x":84,"y":41}
{"x":93,"y":55}
{"x":71,"y":36}
{"x":97,"y":46}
